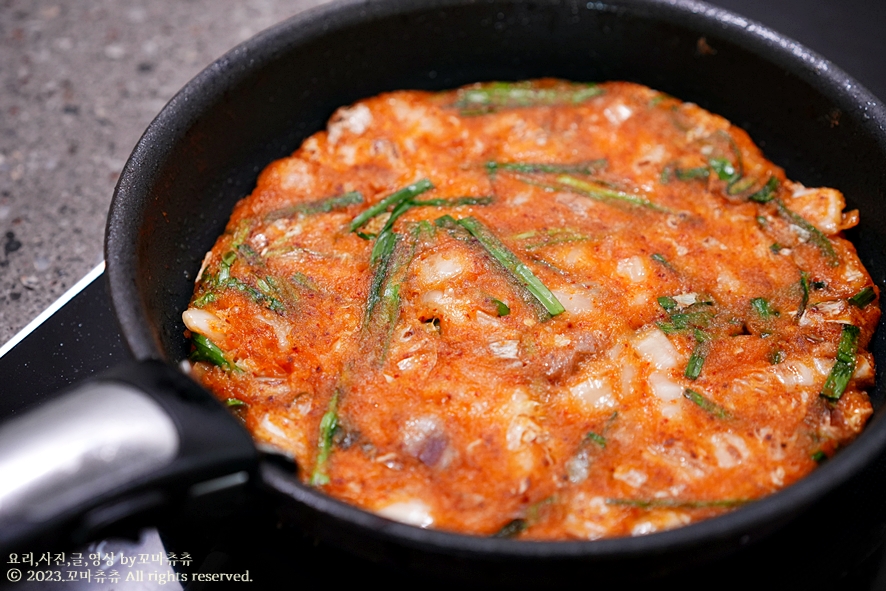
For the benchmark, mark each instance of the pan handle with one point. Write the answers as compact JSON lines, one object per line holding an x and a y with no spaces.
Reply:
{"x":140,"y":444}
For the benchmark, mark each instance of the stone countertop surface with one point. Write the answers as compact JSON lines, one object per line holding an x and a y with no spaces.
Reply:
{"x":81,"y":80}
{"x":79,"y":83}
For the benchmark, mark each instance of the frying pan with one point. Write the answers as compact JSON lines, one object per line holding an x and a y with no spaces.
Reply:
{"x":257,"y":103}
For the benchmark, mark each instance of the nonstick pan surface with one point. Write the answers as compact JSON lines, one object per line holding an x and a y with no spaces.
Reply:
{"x":205,"y":150}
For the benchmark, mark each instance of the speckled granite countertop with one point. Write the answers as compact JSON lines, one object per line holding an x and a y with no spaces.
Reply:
{"x":80,"y":81}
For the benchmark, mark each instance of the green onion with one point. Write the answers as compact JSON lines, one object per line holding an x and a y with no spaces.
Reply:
{"x":766,"y":194}
{"x":454,"y":202}
{"x":214,"y":283}
{"x":699,"y":354}
{"x":234,"y":402}
{"x":586,"y":168}
{"x":707,"y":405}
{"x":391,"y":200}
{"x":815,"y":235}
{"x":696,"y":316}
{"x":224,"y":268}
{"x":512,"y":529}
{"x":724,"y":169}
{"x":324,"y":442}
{"x":763,"y":308}
{"x":740,"y":185}
{"x":389,"y":264}
{"x":596,"y":438}
{"x":677,"y":503}
{"x":688,"y":174}
{"x":256,"y":295}
{"x":863,"y":297}
{"x":319,"y":206}
{"x":819,"y":456}
{"x":776,"y":356}
{"x":668,"y":303}
{"x":594,"y":191}
{"x":207,"y":298}
{"x":600,"y":193}
{"x":552,"y":237}
{"x":660,"y":259}
{"x":507,"y":259}
{"x":492,"y":96}
{"x":206,"y":350}
{"x":804,"y":289}
{"x":241,"y":233}
{"x":841,"y":373}
{"x":501,"y":308}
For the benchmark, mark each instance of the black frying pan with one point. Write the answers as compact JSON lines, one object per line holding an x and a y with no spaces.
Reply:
{"x":257,"y":103}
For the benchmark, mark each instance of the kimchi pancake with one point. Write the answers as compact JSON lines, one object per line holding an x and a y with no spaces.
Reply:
{"x":542,"y":309}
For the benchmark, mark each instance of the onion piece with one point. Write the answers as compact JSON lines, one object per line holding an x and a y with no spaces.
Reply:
{"x":412,"y":512}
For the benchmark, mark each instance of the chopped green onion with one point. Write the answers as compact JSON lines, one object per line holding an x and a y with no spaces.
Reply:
{"x":454,"y":202}
{"x":596,"y":438}
{"x":741,"y":185}
{"x":658,"y":258}
{"x":725,"y":169}
{"x":325,"y":205}
{"x":234,"y":402}
{"x":585,"y":168}
{"x":324,"y":442}
{"x":699,"y":354}
{"x":819,"y":456}
{"x":763,"y":308}
{"x":688,"y":174}
{"x":392,"y":200}
{"x":224,"y":268}
{"x":303,"y":281}
{"x":206,"y":350}
{"x":501,"y":308}
{"x":552,"y":237}
{"x":697,"y":316}
{"x":804,"y":289}
{"x":507,"y":259}
{"x":512,"y":529}
{"x":487,"y":98}
{"x":841,"y":373}
{"x":766,"y":194}
{"x":389,"y":264}
{"x":207,"y":298}
{"x":668,"y":303}
{"x":256,"y":295}
{"x":863,"y":297}
{"x":593,"y":191}
{"x":816,"y":236}
{"x":775,"y":247}
{"x":677,"y":503}
{"x":707,"y":405}
{"x":601,"y":193}
{"x":776,"y":356}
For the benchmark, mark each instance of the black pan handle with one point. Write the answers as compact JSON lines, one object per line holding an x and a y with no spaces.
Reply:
{"x":140,"y":444}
